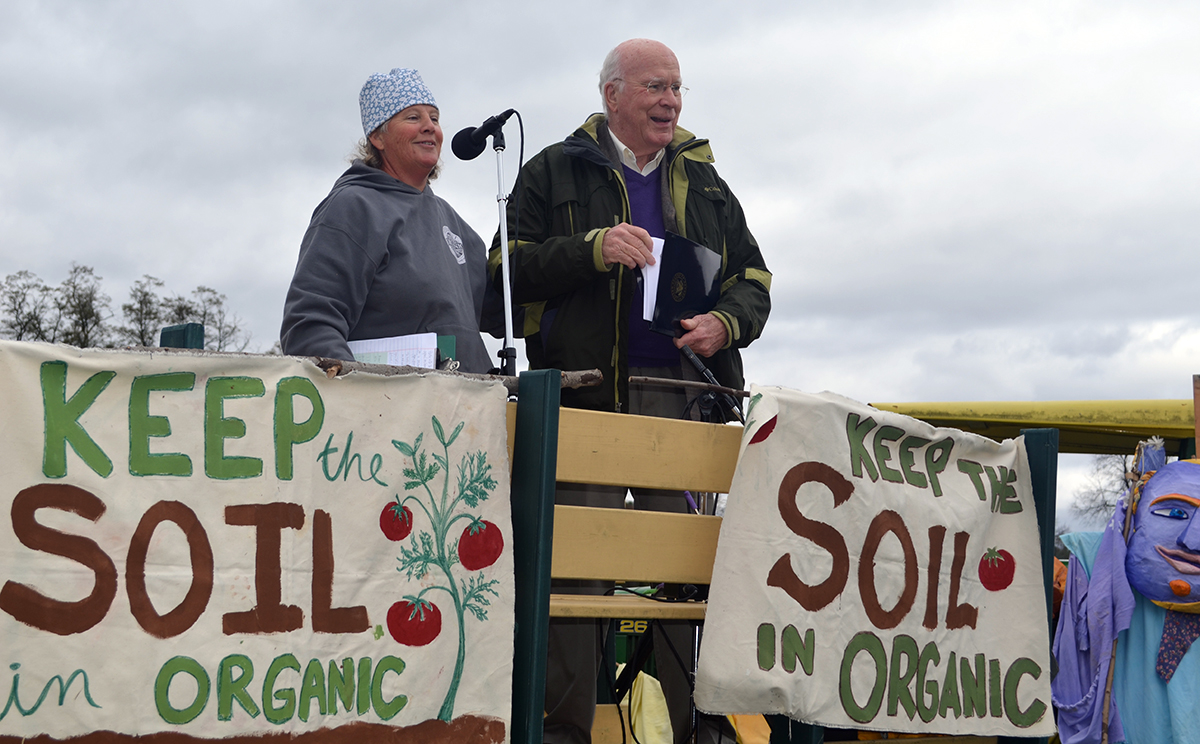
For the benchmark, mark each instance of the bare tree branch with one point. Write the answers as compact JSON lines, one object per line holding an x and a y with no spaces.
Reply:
{"x":77,"y":312}
{"x":83,"y":308}
{"x":143,"y":313}
{"x":27,"y":307}
{"x":1097,"y":499}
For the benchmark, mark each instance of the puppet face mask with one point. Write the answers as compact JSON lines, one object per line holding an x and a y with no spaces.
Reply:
{"x":1163,"y":557}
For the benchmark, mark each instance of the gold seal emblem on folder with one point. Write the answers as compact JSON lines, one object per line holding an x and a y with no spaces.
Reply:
{"x":678,"y":287}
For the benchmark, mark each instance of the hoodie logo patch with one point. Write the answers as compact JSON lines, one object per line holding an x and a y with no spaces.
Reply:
{"x":456,"y":245}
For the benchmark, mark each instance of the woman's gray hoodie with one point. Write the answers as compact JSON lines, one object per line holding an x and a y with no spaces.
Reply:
{"x":383,"y":259}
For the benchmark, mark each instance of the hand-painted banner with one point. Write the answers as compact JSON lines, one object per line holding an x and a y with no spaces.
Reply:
{"x":875,"y":572}
{"x":232,"y":547}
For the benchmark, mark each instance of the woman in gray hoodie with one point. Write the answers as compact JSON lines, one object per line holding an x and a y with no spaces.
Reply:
{"x":383,"y":256}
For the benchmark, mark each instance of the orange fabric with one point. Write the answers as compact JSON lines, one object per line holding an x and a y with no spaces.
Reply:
{"x":750,"y":729}
{"x":1060,"y":584}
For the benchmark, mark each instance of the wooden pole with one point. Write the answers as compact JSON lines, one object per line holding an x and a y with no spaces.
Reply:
{"x":1196,"y":402}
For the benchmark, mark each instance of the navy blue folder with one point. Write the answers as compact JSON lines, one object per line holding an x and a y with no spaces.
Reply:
{"x":689,"y":283}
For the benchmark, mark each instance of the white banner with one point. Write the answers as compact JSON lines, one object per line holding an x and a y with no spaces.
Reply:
{"x":226,"y":546}
{"x":874,"y":572}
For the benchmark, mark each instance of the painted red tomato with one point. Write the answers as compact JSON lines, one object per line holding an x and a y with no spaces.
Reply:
{"x":480,"y":545}
{"x":764,"y":431}
{"x":414,"y":623}
{"x":396,"y":521}
{"x":996,"y":569}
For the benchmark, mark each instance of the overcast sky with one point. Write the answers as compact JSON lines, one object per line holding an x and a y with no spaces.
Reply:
{"x":958,"y":201}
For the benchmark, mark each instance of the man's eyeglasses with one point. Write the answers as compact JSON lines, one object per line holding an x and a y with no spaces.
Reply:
{"x":657,"y":87}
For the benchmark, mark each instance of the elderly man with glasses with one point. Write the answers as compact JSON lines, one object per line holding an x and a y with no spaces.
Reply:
{"x":589,"y":206}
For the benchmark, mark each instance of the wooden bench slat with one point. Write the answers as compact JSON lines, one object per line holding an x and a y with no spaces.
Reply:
{"x":621,"y":450}
{"x":625,"y":607}
{"x":629,"y":545}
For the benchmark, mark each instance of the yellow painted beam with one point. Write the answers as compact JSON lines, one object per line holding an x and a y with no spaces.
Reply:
{"x":1196,"y":403}
{"x":1088,"y":426}
{"x":629,"y":545}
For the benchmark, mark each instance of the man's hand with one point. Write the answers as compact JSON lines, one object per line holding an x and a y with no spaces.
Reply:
{"x":628,"y":245}
{"x":705,"y":334}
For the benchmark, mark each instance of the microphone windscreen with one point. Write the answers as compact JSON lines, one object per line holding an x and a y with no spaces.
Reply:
{"x":465,"y":147}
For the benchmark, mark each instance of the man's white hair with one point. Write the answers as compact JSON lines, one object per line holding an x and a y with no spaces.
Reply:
{"x":610,"y":71}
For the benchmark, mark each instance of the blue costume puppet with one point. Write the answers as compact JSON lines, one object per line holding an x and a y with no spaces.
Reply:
{"x":1138,"y":582}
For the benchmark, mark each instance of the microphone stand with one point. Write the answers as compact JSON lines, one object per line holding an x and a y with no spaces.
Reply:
{"x":508,"y":355}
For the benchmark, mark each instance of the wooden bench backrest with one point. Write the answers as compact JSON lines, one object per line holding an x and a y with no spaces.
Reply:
{"x":639,"y":451}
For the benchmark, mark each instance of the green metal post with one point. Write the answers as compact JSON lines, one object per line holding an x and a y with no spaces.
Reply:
{"x":535,"y":463}
{"x":786,"y":731}
{"x":183,"y":336}
{"x":1041,"y":445}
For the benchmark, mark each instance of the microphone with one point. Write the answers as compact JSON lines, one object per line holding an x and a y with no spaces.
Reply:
{"x":469,"y":143}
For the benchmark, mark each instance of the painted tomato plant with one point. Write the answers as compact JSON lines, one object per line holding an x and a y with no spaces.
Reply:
{"x":996,"y":569}
{"x":416,"y":621}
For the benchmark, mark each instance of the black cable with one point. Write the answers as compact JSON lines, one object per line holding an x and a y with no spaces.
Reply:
{"x":517,"y":185}
{"x":683,"y":667}
{"x":603,"y":641}
{"x":678,"y":658}
{"x":612,"y":685}
{"x":689,"y":591}
{"x":716,"y":406}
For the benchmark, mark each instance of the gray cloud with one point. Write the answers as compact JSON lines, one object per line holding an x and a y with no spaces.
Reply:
{"x":958,"y":202}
